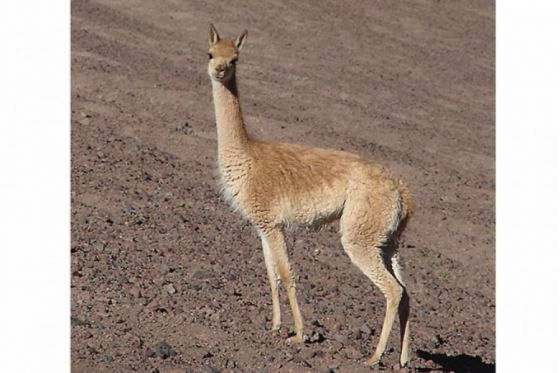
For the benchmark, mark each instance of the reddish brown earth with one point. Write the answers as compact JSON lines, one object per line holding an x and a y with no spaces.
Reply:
{"x":166,"y":278}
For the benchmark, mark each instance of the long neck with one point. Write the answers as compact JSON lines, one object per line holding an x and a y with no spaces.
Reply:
{"x":232,"y":136}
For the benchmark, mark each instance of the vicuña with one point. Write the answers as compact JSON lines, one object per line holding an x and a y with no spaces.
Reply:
{"x":278,"y":185}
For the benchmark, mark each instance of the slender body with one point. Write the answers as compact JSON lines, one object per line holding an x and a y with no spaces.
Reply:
{"x":277,"y":185}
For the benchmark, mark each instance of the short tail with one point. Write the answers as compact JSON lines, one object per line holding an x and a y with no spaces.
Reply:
{"x":407,"y":203}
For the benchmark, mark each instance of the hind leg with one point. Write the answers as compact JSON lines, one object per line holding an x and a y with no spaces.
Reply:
{"x":370,"y":261}
{"x":367,"y":226}
{"x":404,"y":311}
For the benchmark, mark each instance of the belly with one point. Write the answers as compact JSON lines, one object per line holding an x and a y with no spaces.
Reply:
{"x":312,"y":210}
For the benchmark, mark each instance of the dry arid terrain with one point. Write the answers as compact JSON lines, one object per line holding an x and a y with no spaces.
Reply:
{"x":166,"y":278}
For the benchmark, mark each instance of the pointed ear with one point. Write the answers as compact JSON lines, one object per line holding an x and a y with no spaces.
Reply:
{"x":213,"y":36}
{"x":240,"y":40}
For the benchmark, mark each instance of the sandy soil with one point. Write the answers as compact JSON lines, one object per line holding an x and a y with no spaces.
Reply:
{"x":165,"y":278}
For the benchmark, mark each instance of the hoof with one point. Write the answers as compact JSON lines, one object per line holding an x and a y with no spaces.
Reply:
{"x":275,"y":328}
{"x":374,"y":360}
{"x":296,"y":339}
{"x":404,"y":360}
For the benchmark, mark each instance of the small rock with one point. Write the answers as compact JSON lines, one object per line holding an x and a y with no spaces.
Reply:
{"x":153,"y":304}
{"x":76,"y":321}
{"x":164,"y":350}
{"x":215,"y":317}
{"x":365,"y":329}
{"x":340,"y":338}
{"x":317,"y":323}
{"x":98,"y":246}
{"x":333,"y":366}
{"x":437,"y":340}
{"x":200,"y":274}
{"x":186,"y":128}
{"x":84,"y":121}
{"x":231,"y":276}
{"x":170,"y":289}
{"x":196,"y":285}
{"x":317,"y":337}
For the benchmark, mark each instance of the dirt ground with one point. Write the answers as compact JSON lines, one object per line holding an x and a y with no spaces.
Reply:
{"x":165,"y":278}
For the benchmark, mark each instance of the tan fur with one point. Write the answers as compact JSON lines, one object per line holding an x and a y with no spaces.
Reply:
{"x":277,"y":185}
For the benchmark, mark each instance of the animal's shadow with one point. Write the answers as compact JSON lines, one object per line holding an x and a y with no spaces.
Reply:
{"x":458,"y":364}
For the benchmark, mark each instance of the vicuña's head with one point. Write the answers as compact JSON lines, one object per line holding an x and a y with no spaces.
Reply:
{"x":223,"y":54}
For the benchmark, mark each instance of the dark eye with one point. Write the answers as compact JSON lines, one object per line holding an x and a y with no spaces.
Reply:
{"x":210,"y":56}
{"x":234,"y":60}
